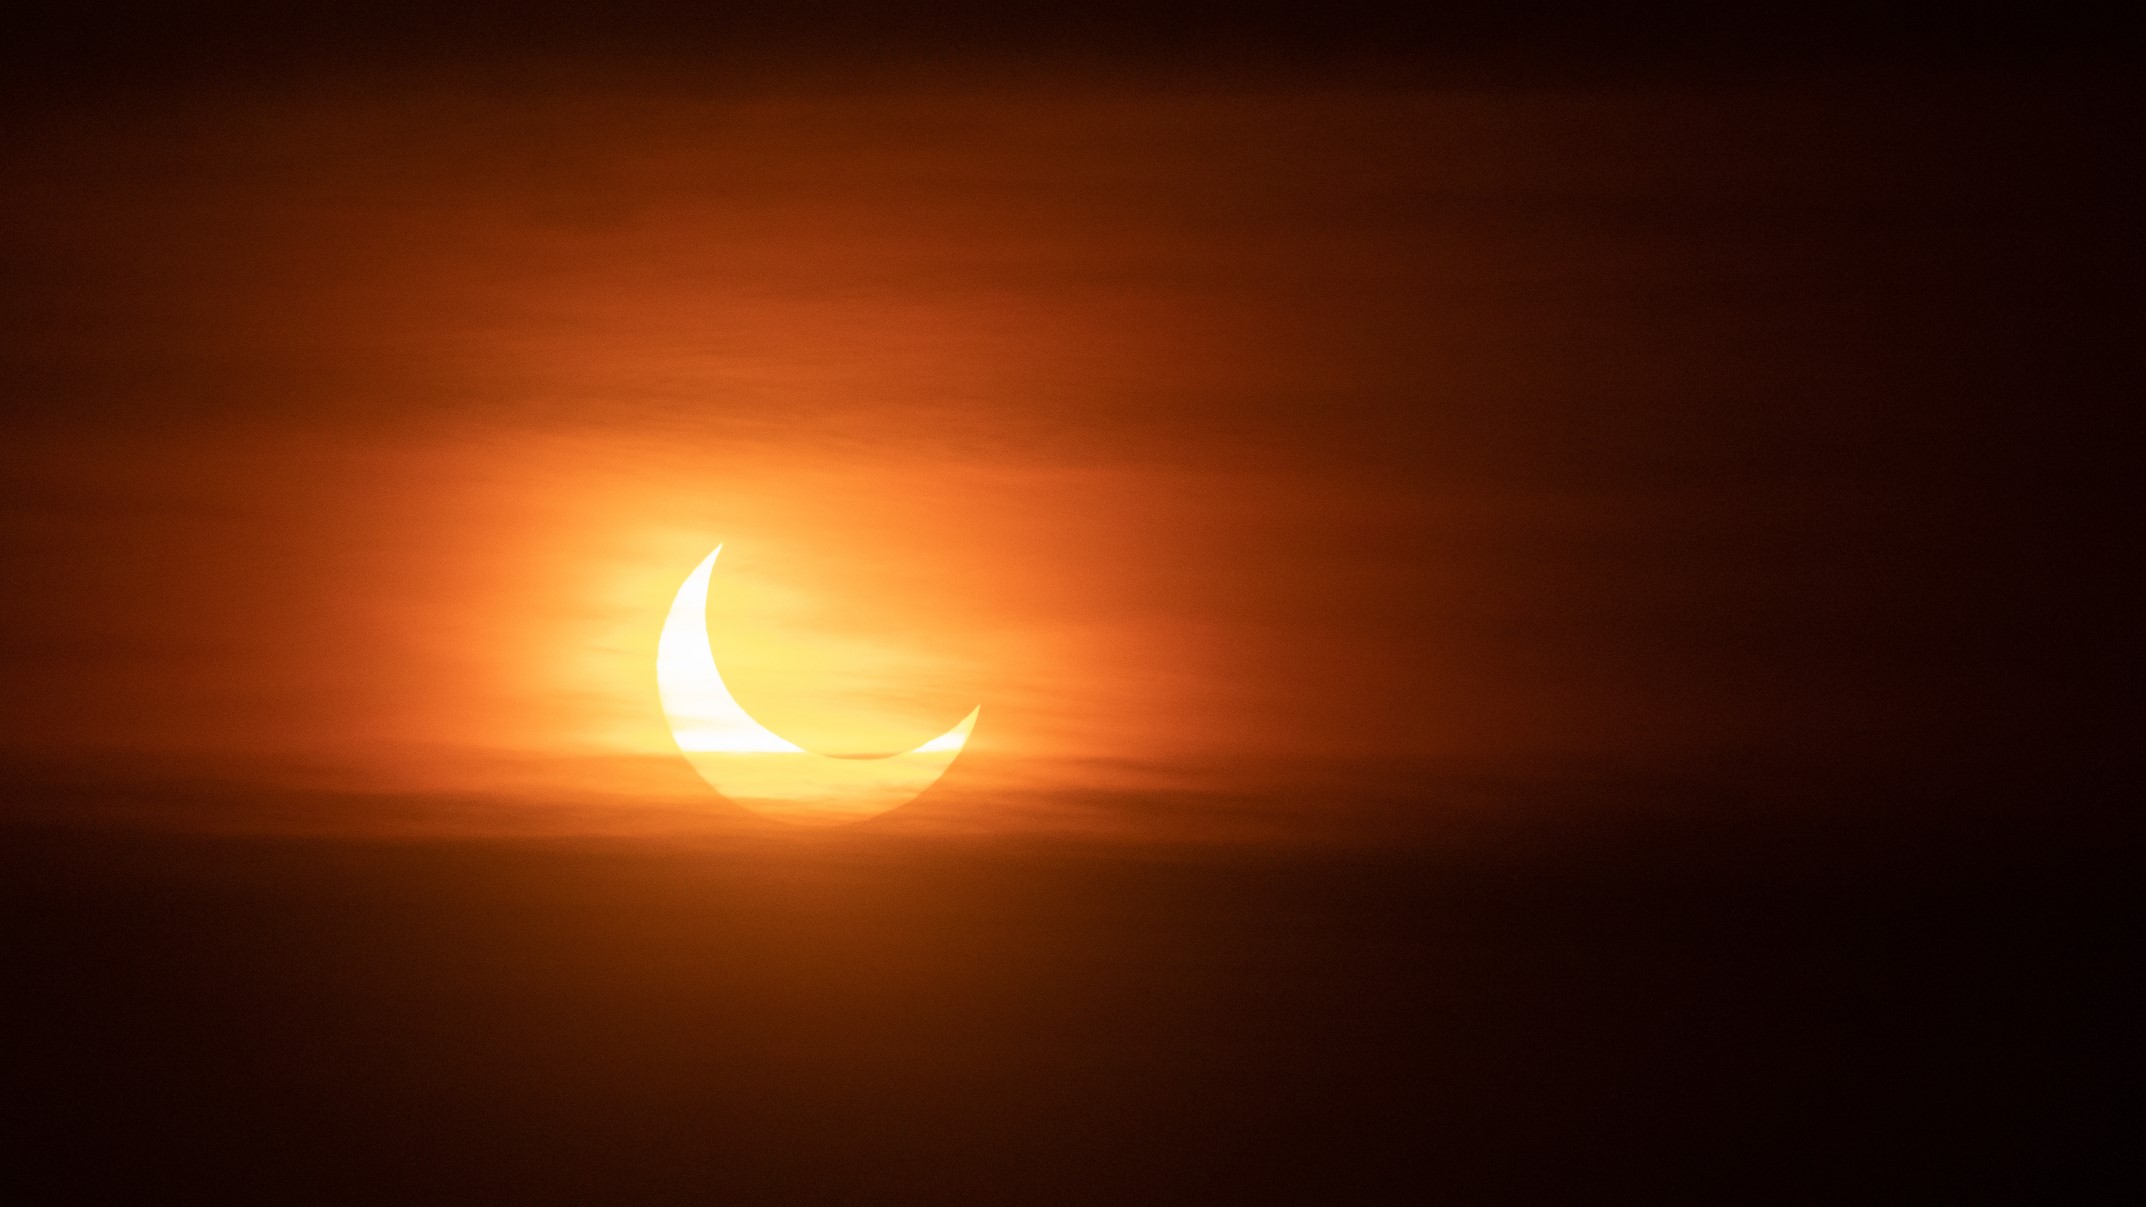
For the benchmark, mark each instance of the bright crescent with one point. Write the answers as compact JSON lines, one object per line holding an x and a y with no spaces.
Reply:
{"x":753,"y":765}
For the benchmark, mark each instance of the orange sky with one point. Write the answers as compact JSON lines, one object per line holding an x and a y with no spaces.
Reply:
{"x":1191,"y":431}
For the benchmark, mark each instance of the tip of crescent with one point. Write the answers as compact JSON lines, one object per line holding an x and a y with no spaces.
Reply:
{"x":955,"y":738}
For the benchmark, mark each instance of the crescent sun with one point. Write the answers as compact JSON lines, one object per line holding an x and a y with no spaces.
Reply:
{"x":753,"y":765}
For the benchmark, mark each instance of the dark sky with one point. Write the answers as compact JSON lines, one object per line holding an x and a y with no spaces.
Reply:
{"x":1541,"y":582}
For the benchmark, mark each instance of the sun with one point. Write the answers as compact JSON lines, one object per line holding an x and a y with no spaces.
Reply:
{"x":754,"y":766}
